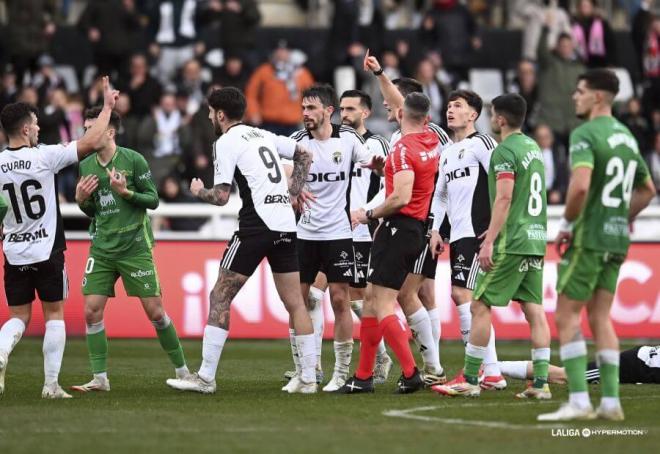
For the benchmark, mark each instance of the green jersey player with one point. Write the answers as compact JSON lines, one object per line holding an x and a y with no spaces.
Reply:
{"x":610,"y":184}
{"x":115,"y":190}
{"x":511,"y":255}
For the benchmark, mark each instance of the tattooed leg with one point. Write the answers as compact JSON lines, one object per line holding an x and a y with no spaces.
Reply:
{"x":227,"y":286}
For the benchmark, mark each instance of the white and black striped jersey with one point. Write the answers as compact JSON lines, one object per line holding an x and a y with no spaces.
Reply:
{"x":33,"y":224}
{"x":365,"y":184}
{"x":329,"y":180}
{"x":462,"y":188}
{"x":445,"y":141}
{"x":251,"y":157}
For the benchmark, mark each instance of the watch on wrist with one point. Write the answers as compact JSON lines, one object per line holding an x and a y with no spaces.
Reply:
{"x":378,"y":72}
{"x":369,"y":215}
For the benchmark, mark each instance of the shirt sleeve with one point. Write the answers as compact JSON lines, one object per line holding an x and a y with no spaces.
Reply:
{"x":483,"y":147}
{"x":3,"y":208}
{"x":145,"y":194}
{"x":378,"y":146}
{"x":642,"y":173}
{"x":57,"y":157}
{"x":503,"y":163}
{"x":285,"y":146}
{"x":401,"y":159}
{"x":224,"y":163}
{"x":580,"y":150}
{"x":361,"y":153}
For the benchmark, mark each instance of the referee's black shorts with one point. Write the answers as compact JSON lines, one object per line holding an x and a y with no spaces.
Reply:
{"x":395,"y":249}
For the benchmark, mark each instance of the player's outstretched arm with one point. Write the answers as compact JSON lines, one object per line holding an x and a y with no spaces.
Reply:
{"x":88,"y":142}
{"x":400,"y":197}
{"x":391,"y":94}
{"x":218,"y":195}
{"x":302,"y":161}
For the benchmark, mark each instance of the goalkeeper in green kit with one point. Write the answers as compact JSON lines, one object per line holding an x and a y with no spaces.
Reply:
{"x":610,"y":185}
{"x":115,"y":190}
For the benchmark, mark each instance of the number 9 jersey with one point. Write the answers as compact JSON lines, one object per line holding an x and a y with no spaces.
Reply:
{"x":33,"y":225}
{"x":250,"y":156}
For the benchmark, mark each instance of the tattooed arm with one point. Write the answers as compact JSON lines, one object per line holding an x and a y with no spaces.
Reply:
{"x":302,"y":160}
{"x":218,"y":195}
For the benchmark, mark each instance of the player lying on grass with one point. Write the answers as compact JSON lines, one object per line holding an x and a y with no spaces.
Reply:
{"x":511,"y":255}
{"x":640,"y":364}
{"x":115,"y":190}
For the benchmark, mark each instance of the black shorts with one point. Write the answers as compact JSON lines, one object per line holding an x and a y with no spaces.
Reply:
{"x":244,"y":253}
{"x":394,"y":251}
{"x":361,"y":249}
{"x":631,"y":369}
{"x":332,"y":257}
{"x":425,"y":264}
{"x":48,"y":279}
{"x":464,"y":263}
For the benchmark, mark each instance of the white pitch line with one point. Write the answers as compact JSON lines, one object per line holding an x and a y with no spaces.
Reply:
{"x":409,"y":414}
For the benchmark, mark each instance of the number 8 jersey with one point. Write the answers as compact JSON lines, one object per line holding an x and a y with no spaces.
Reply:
{"x":250,"y":156}
{"x":33,"y":225}
{"x":608,"y":147}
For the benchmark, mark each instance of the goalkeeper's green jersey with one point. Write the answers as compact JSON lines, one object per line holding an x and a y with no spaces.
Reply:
{"x":120,"y":227}
{"x":609,"y":148}
{"x":518,"y":157}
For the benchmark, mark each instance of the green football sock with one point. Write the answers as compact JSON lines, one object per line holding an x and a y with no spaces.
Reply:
{"x":574,"y":357}
{"x":474,"y":356}
{"x":608,"y":366}
{"x":170,"y":342}
{"x":541,"y":364}
{"x":97,"y":346}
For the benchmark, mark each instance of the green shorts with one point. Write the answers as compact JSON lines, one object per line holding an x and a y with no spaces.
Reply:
{"x":138,"y":273}
{"x":513,"y":277}
{"x":583,"y":271}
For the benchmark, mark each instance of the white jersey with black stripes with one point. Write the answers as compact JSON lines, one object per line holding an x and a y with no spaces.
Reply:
{"x":329,"y":179}
{"x":462,"y":188}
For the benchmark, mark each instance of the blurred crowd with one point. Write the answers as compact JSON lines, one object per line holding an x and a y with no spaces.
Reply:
{"x":165,"y":56}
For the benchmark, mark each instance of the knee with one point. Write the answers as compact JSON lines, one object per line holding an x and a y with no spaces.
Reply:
{"x":156,"y":313}
{"x":93,"y":315}
{"x":459,"y":295}
{"x":339,"y":302}
{"x":478,"y":309}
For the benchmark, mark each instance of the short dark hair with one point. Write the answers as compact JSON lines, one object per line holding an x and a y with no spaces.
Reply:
{"x":365,"y":99}
{"x":564,"y":35}
{"x":601,"y":79}
{"x":417,"y":105}
{"x":324,"y":93}
{"x":14,"y":116}
{"x":407,"y":85}
{"x":93,"y":113}
{"x":471,"y":98}
{"x":512,"y":107}
{"x":230,"y":100}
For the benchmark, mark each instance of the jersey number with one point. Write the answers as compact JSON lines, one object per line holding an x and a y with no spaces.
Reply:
{"x":28,"y":201}
{"x":615,"y":170}
{"x":535,"y":204}
{"x":271,"y":164}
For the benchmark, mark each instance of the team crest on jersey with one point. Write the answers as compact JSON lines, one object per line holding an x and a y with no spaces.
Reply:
{"x":106,"y":198}
{"x":343,"y":255}
{"x":461,"y":153}
{"x":337,"y":157}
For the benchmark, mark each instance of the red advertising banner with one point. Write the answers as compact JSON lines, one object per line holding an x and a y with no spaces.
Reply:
{"x":188,"y":270}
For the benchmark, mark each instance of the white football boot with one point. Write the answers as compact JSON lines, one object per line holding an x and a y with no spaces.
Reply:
{"x":293,"y":382}
{"x":610,"y":414}
{"x":192,"y":382}
{"x":97,"y":383}
{"x":54,"y":391}
{"x":569,"y":412}
{"x":337,"y":381}
{"x":300,"y":387}
{"x":4,"y":359}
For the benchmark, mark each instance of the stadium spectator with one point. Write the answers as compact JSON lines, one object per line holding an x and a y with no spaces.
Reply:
{"x":173,"y":35}
{"x":232,"y":22}
{"x":143,"y":90}
{"x":170,"y":191}
{"x":94,"y":94}
{"x":651,"y":64}
{"x":127,"y":134}
{"x":449,"y":27}
{"x":556,"y":165}
{"x":158,"y":138}
{"x":8,"y":87}
{"x":558,"y":71}
{"x":638,"y":125}
{"x":28,"y":95}
{"x":233,"y":73}
{"x":525,"y":84}
{"x":192,"y":86}
{"x":436,"y":91}
{"x":30,"y":27}
{"x":112,"y":27}
{"x":273,"y":92}
{"x":46,"y":79}
{"x":531,"y":15}
{"x":593,"y":36}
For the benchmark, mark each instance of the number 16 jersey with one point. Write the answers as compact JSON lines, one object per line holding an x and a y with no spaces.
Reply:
{"x":250,"y":156}
{"x":33,"y":225}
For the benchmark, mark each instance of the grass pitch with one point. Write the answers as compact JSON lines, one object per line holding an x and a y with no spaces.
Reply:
{"x":249,"y":413}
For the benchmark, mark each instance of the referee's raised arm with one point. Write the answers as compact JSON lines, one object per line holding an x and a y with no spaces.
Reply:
{"x":391,"y":94}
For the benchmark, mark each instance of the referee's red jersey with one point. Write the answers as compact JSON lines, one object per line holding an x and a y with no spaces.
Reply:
{"x":420,"y":153}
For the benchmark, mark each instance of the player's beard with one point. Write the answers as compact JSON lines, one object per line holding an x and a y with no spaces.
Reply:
{"x":216,"y":128}
{"x":352,"y":124}
{"x":313,"y":125}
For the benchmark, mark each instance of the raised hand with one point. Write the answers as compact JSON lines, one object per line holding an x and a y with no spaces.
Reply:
{"x":370,"y":63}
{"x":109,"y":94}
{"x":86,"y":187}
{"x":196,"y":185}
{"x":117,"y":182}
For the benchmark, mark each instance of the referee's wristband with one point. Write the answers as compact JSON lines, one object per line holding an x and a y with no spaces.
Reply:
{"x":565,"y":226}
{"x":379,"y":72}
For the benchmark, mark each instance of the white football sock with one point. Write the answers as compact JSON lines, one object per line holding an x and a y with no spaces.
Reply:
{"x":53,"y":349}
{"x":317,"y":316}
{"x":434,"y":317}
{"x":420,"y":325}
{"x":514,"y":369}
{"x":491,"y":368}
{"x":294,"y":349}
{"x":381,"y":348}
{"x":11,"y":333}
{"x":465,"y":318}
{"x":356,"y":306}
{"x":343,"y":354}
{"x":306,"y":349}
{"x":214,"y":341}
